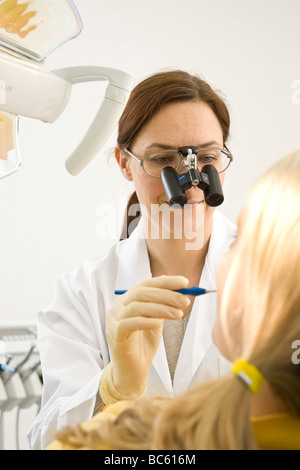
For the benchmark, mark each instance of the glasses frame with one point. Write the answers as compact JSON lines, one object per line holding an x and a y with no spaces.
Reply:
{"x":141,"y":160}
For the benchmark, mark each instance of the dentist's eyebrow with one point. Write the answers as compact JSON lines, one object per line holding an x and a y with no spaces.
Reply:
{"x":158,"y":145}
{"x":210,"y":144}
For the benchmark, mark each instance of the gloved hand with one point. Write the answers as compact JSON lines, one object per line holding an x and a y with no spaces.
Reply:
{"x":134,"y":330}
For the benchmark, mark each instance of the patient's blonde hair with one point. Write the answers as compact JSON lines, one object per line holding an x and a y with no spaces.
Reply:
{"x":216,"y":414}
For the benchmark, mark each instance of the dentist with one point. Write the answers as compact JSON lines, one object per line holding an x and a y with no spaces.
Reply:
{"x":97,"y":348}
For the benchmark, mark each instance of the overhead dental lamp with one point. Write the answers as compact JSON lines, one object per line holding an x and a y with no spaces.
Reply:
{"x":29,"y":32}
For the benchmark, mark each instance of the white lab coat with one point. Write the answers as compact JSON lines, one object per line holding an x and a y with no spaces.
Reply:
{"x":72,"y":342}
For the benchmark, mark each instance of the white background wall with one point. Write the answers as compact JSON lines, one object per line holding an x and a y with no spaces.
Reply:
{"x":50,"y":221}
{"x":249,"y":49}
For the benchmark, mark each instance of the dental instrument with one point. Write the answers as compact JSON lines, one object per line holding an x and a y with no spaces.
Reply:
{"x":188,"y":291}
{"x":4,"y":367}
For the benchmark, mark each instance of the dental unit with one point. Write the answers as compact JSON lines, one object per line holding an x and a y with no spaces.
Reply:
{"x":28,"y":88}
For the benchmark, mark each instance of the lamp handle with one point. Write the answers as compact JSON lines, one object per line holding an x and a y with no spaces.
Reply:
{"x":108,"y":115}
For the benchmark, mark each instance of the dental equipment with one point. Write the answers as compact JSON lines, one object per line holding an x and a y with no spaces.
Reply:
{"x":208,"y":180}
{"x":28,"y":89}
{"x":20,"y":382}
{"x":4,"y":367}
{"x":11,"y":371}
{"x":188,"y":291}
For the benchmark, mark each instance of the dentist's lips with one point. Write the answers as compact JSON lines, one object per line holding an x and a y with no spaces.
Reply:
{"x":190,"y":204}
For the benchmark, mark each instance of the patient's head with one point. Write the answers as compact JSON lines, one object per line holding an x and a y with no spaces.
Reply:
{"x":259,"y":278}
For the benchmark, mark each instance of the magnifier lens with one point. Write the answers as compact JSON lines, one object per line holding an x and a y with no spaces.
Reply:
{"x":174,"y":193}
{"x":10,"y":159}
{"x":213,"y":193}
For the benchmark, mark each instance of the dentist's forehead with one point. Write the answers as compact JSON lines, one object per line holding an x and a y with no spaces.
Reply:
{"x":181,"y":124}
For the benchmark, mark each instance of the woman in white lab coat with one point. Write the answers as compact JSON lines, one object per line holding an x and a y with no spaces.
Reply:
{"x":96,"y":347}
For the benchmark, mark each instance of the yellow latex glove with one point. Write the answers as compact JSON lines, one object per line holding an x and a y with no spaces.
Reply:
{"x":134,"y":330}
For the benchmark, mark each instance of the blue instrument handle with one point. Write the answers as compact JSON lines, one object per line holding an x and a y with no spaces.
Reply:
{"x":192,"y":291}
{"x":188,"y":291}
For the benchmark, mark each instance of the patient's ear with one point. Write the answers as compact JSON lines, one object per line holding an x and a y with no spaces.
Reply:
{"x":123,"y":161}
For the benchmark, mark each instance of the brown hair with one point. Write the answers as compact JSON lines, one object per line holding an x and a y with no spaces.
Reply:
{"x":156,"y":91}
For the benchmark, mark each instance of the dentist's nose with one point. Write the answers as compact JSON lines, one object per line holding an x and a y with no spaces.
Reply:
{"x":194,"y":193}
